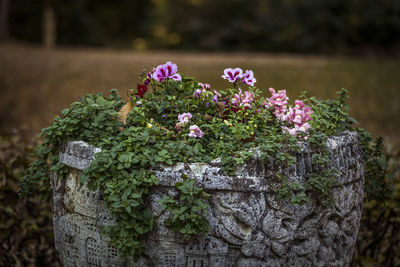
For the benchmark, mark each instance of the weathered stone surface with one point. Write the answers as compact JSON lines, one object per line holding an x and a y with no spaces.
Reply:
{"x":249,"y":226}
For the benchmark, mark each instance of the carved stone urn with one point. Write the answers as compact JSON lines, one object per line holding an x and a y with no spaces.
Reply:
{"x":249,"y":225}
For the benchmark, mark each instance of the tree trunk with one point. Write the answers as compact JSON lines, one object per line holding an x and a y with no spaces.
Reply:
{"x":49,"y":27}
{"x":4,"y":10}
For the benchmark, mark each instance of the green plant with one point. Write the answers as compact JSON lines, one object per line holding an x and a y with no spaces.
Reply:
{"x":186,"y":121}
{"x":187,"y":209}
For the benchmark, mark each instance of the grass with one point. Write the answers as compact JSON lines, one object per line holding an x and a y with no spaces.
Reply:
{"x":36,"y":84}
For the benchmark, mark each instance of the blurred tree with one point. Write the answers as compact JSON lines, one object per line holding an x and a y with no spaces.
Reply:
{"x":25,"y":21}
{"x":327,"y":26}
{"x":4,"y":10}
{"x":49,"y":36}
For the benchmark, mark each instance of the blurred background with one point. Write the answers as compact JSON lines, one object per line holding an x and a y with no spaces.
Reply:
{"x":53,"y":51}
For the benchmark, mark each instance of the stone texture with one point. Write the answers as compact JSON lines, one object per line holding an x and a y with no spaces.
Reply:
{"x":249,"y":226}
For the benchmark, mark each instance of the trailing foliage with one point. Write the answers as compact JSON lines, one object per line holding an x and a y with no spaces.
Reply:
{"x":187,"y":209}
{"x":91,"y":119}
{"x":185,"y":121}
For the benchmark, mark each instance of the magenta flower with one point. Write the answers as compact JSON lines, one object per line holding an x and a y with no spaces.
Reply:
{"x":248,"y":78}
{"x":195,"y":132}
{"x":148,"y":79}
{"x":166,"y":71}
{"x":170,"y":68}
{"x":232,"y":75}
{"x":160,"y":74}
{"x":184,"y":118}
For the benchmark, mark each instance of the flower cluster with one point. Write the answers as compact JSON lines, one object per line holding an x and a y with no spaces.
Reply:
{"x":236,"y":74}
{"x":278,"y":101}
{"x":202,"y":92}
{"x":294,"y":119}
{"x":297,"y":117}
{"x":194,"y":130}
{"x":166,"y":71}
{"x":241,"y":99}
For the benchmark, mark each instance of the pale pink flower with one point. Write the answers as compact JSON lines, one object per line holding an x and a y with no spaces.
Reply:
{"x":184,"y":118}
{"x":195,"y":132}
{"x":293,"y":131}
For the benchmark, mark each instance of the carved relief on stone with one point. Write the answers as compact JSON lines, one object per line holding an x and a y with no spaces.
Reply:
{"x":249,"y":226}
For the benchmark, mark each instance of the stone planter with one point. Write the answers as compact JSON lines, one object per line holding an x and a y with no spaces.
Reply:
{"x":249,"y":226}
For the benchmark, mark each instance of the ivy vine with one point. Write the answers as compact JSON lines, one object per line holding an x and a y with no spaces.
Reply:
{"x":149,"y":137}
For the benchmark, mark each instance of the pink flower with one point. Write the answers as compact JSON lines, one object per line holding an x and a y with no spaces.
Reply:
{"x":195,"y":132}
{"x":298,"y":104}
{"x":203,"y":92}
{"x":298,"y":115}
{"x":166,"y":71}
{"x":278,"y":101}
{"x":248,"y":97}
{"x":248,"y":78}
{"x":232,"y":75}
{"x":307,"y":113}
{"x":204,"y":86}
{"x":242,"y":100}
{"x":176,"y":77}
{"x":184,"y":118}
{"x":293,"y":131}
